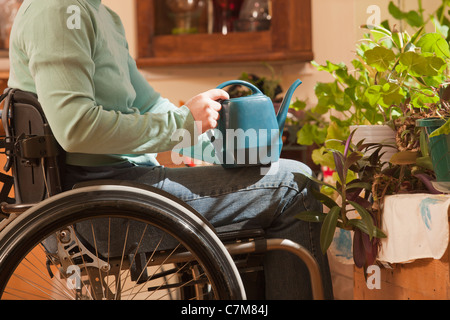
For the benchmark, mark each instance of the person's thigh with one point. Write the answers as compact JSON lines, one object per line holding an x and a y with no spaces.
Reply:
{"x":229,"y":196}
{"x":223,"y":196}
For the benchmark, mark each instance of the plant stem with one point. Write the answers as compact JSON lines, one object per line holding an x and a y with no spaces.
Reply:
{"x":420,"y":8}
{"x":444,"y":5}
{"x":313,"y":116}
{"x":344,"y":200}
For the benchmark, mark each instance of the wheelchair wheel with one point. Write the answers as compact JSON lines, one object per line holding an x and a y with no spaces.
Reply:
{"x":114,"y":242}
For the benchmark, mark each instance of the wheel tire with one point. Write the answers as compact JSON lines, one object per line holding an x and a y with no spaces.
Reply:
{"x":147,"y":205}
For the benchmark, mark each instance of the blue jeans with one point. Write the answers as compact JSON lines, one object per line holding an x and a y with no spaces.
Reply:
{"x":244,"y":199}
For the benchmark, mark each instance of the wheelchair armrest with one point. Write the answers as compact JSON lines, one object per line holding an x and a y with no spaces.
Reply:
{"x":239,"y":235}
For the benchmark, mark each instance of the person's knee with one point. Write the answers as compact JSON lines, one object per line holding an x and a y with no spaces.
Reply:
{"x":299,"y":175}
{"x":295,"y":173}
{"x":294,"y":166}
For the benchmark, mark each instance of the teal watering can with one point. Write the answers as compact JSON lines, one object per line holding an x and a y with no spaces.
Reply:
{"x":249,"y":132}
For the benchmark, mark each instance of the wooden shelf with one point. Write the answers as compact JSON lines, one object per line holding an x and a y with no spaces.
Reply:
{"x":288,"y":39}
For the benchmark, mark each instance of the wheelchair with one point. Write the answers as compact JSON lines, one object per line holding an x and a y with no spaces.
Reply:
{"x":108,"y":240}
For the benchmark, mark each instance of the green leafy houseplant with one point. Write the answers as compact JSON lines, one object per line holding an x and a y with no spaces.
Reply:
{"x":437,"y":44}
{"x":394,"y":77}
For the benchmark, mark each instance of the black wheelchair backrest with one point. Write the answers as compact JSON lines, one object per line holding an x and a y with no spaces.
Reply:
{"x":31,"y":150}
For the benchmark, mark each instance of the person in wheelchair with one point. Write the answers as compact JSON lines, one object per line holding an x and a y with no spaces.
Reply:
{"x":73,"y":54}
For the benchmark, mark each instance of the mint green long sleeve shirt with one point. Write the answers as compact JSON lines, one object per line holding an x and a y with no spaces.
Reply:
{"x":73,"y":54}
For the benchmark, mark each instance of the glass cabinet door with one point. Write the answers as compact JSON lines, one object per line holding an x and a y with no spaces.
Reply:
{"x":178,"y":17}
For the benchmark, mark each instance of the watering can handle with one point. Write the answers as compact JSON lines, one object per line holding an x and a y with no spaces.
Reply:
{"x":254,"y":89}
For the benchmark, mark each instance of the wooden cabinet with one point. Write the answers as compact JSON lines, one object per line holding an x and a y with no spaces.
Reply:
{"x":289,"y":38}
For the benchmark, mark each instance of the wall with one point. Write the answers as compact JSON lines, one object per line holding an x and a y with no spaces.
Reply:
{"x":189,"y":81}
{"x":335,"y":32}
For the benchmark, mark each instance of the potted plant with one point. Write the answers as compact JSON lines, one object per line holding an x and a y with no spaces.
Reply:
{"x":362,"y":180}
{"x":353,"y":210}
{"x":437,"y":145}
{"x":428,"y":129}
{"x":396,"y":79}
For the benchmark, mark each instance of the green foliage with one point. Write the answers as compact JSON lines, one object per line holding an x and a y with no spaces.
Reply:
{"x":393,"y":75}
{"x":394,"y":79}
{"x":445,"y":129}
{"x":413,"y":17}
{"x":269,"y":86}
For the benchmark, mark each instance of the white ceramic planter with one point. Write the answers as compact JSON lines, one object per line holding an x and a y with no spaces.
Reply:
{"x":376,"y":134}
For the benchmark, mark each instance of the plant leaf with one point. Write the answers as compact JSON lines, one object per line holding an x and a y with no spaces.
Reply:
{"x":380,"y":58}
{"x":366,"y":242}
{"x":414,"y":19}
{"x":339,"y":162}
{"x":326,"y":200}
{"x":352,"y":159}
{"x":372,"y":255}
{"x":434,"y":43}
{"x":366,"y":217}
{"x":348,"y":142}
{"x":373,"y":94}
{"x":366,"y":204}
{"x":417,"y":35}
{"x":359,"y":255}
{"x":417,"y":64}
{"x":425,"y":162}
{"x":357,"y":223}
{"x":311,"y":216}
{"x":322,"y":157}
{"x":395,"y":11}
{"x":404,"y":158}
{"x":384,"y":32}
{"x":425,"y":97}
{"x":328,"y":228}
{"x":320,"y":182}
{"x":359,"y":184}
{"x":397,"y":38}
{"x":392,"y":94}
{"x":298,"y":105}
{"x":310,"y":134}
{"x":444,"y":129}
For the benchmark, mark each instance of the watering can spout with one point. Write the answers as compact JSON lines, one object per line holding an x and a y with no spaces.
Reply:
{"x":282,"y":114}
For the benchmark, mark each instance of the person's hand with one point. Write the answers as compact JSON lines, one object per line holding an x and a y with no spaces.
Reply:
{"x":205,"y":108}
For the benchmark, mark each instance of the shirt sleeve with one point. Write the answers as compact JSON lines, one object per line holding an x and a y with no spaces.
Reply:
{"x":62,"y":66}
{"x":147,"y":99}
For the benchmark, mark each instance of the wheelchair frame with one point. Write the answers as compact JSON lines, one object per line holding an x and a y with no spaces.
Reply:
{"x":35,"y":158}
